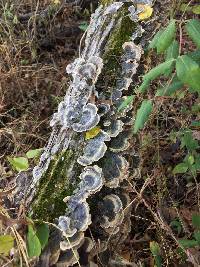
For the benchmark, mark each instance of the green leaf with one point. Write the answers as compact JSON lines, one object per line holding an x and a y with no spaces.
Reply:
{"x":196,"y":9}
{"x":186,"y":243}
{"x":180,"y":168}
{"x":166,"y":38}
{"x":195,"y":55}
{"x":128,"y":101}
{"x":143,"y":114}
{"x":155,"y":250}
{"x":33,"y":153}
{"x":6,"y":243}
{"x":33,"y":243}
{"x":185,"y":7}
{"x":19,"y":164}
{"x":196,"y":220}
{"x":189,"y":160}
{"x":188,"y":141}
{"x":83,"y":26}
{"x":42,"y":232}
{"x":193,"y":29}
{"x":171,"y":88}
{"x":188,"y":71}
{"x":197,"y":236}
{"x":162,"y":68}
{"x":154,"y":41}
{"x":195,"y":124}
{"x":172,"y":51}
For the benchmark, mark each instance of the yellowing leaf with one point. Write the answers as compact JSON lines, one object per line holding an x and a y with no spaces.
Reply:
{"x":92,"y":133}
{"x":56,"y":2}
{"x":146,"y":13}
{"x":6,"y":243}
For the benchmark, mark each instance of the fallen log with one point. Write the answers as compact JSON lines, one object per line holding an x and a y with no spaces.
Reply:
{"x":82,"y":181}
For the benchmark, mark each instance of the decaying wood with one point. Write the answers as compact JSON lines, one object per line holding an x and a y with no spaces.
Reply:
{"x":82,"y":184}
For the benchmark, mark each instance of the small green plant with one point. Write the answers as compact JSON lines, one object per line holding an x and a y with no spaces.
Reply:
{"x":191,"y":162}
{"x":22,"y":163}
{"x":180,"y":69}
{"x":37,"y":239}
{"x":83,"y":26}
{"x":155,"y":251}
{"x":195,"y":240}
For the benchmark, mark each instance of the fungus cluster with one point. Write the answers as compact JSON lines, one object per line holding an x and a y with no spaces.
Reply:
{"x":84,"y":107}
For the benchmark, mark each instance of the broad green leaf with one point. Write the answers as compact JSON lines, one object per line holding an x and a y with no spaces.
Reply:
{"x":189,"y":159}
{"x":170,"y":89}
{"x":188,"y":71}
{"x":193,"y":29}
{"x":196,"y":220}
{"x":127,"y":101}
{"x":197,"y":236}
{"x":33,"y":153}
{"x":196,"y":9}
{"x":83,"y":26}
{"x":92,"y":133}
{"x":188,"y":141}
{"x":42,"y":232}
{"x":19,"y":164}
{"x":154,"y":41}
{"x":155,"y":250}
{"x":172,"y":51}
{"x":195,"y":56}
{"x":33,"y":243}
{"x":166,"y":37}
{"x":180,"y":168}
{"x":6,"y":243}
{"x":162,"y":68}
{"x":143,"y":114}
{"x":186,"y":243}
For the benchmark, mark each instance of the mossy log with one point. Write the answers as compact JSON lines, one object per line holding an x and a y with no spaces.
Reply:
{"x":92,"y":174}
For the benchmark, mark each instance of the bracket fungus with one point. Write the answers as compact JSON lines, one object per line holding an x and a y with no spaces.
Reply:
{"x":112,"y":213}
{"x":120,"y":143}
{"x":71,"y":242}
{"x":68,"y":258}
{"x":115,"y":169}
{"x":94,"y":149}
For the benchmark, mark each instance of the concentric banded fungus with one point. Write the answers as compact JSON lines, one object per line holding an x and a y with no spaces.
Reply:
{"x":64,"y":223}
{"x":71,"y":242}
{"x":68,"y":258}
{"x":88,"y":120}
{"x":115,"y":128}
{"x":94,"y":149}
{"x":80,"y":215}
{"x":112,"y":213}
{"x":92,"y":180}
{"x":120,"y":143}
{"x":115,"y":168}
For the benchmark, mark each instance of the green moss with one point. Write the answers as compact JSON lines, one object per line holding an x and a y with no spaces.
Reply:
{"x":53,"y":187}
{"x":106,"y":2}
{"x":120,"y":35}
